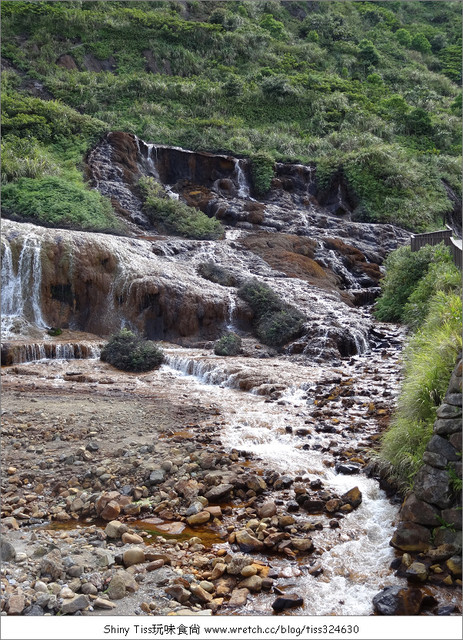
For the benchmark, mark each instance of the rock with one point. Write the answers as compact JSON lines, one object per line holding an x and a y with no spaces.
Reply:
{"x":238,"y":597}
{"x":442,"y":447}
{"x":347,"y":469}
{"x":302,"y":544}
{"x":10,"y":523}
{"x":442,"y":552}
{"x":256,"y":483}
{"x":237,"y":564}
{"x":411,"y":537}
{"x":157,"y":476}
{"x":41,"y":587}
{"x":352,"y":497}
{"x":247,"y":542}
{"x":454,"y":399}
{"x":7,"y":551}
{"x":189,"y":489}
{"x":89,"y":589}
{"x":218,"y":570}
{"x":200,"y":593}
{"x":178,"y":593}
{"x":116,"y":589}
{"x":333,"y":505}
{"x":155,"y":565}
{"x":446,"y":426}
{"x":131,"y":538}
{"x":51,"y":565}
{"x":267,"y":510}
{"x":398,"y":601}
{"x":219,"y":493}
{"x":133,"y":556}
{"x":16,"y":604}
{"x":286,"y":521}
{"x":34,"y":610}
{"x":415,"y":510}
{"x":416,"y":572}
{"x":66,"y":593}
{"x":199,"y":518}
{"x":453,"y":517}
{"x":454,"y":565}
{"x":287,"y":601}
{"x":115,"y":529}
{"x":78,"y":603}
{"x":207,"y":586}
{"x":75,"y":571}
{"x":102,"y":603}
{"x":215,"y":511}
{"x":449,"y":412}
{"x":433,"y":485}
{"x":248,"y":571}
{"x":111,"y":510}
{"x":253,"y":583}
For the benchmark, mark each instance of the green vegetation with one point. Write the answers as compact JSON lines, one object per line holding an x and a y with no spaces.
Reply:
{"x":275,"y":322}
{"x":228,"y":345}
{"x":423,"y":289}
{"x":58,"y":202}
{"x":412,"y":277}
{"x":215,"y":273}
{"x":174,"y":216}
{"x":369,"y":89}
{"x":128,"y":352}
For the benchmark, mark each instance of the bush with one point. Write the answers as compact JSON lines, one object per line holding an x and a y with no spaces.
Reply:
{"x":215,"y":273}
{"x":128,"y":352}
{"x":58,"y":202}
{"x":404,"y":270}
{"x":262,"y":165}
{"x":174,"y":216}
{"x":421,"y":43}
{"x":275,"y":322}
{"x":228,"y":345}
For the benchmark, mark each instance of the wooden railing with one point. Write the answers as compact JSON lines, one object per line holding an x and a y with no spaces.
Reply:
{"x":436,"y":237}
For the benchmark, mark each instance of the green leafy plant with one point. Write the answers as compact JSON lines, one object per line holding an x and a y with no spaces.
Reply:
{"x":174,"y":216}
{"x":128,"y":352}
{"x":275,"y":322}
{"x":262,"y":171}
{"x":228,"y":345}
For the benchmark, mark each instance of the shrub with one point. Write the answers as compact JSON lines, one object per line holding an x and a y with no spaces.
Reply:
{"x":215,"y":273}
{"x":262,"y":165}
{"x":126,"y":351}
{"x":275,"y":322}
{"x":404,"y":270}
{"x":228,"y":345}
{"x":174,"y":216}
{"x":403,"y":37}
{"x":421,"y":43}
{"x":58,"y":202}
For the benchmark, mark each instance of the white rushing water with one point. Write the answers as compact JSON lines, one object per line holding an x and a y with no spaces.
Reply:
{"x":355,"y":557}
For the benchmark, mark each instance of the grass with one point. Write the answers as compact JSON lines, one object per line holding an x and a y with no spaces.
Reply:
{"x":429,"y":359}
{"x":334,"y":86}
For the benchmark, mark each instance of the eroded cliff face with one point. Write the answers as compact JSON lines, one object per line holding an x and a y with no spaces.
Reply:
{"x":324,"y":264}
{"x":98,"y":283}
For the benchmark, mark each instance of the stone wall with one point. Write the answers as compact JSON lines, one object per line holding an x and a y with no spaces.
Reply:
{"x":429,"y":532}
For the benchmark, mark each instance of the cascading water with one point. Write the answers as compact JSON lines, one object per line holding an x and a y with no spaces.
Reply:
{"x":243,"y":187}
{"x":21,"y":286}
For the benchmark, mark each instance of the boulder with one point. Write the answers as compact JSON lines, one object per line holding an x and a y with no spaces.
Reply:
{"x":352,"y":497}
{"x":416,"y":572}
{"x":199,"y":518}
{"x":111,"y":510}
{"x":7,"y":551}
{"x":442,"y":447}
{"x":115,"y":529}
{"x":398,"y":601}
{"x":16,"y":604}
{"x":78,"y":603}
{"x":219,"y":493}
{"x":433,"y":485}
{"x":267,"y":509}
{"x":410,"y":536}
{"x":415,"y":510}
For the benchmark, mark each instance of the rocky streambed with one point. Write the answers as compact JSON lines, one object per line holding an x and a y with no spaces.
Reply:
{"x":165,"y":493}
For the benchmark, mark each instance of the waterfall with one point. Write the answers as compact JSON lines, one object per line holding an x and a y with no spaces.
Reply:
{"x":21,"y":288}
{"x":243,"y":188}
{"x":231,"y":311}
{"x":20,"y":353}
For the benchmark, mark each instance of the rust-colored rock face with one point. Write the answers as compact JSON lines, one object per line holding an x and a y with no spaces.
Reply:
{"x":97,"y":283}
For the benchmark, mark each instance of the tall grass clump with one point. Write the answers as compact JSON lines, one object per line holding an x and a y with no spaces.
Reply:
{"x":275,"y":322}
{"x":128,"y":352}
{"x":429,"y":359}
{"x":174,"y":216}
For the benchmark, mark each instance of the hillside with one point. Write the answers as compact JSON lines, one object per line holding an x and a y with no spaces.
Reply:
{"x":369,"y":91}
